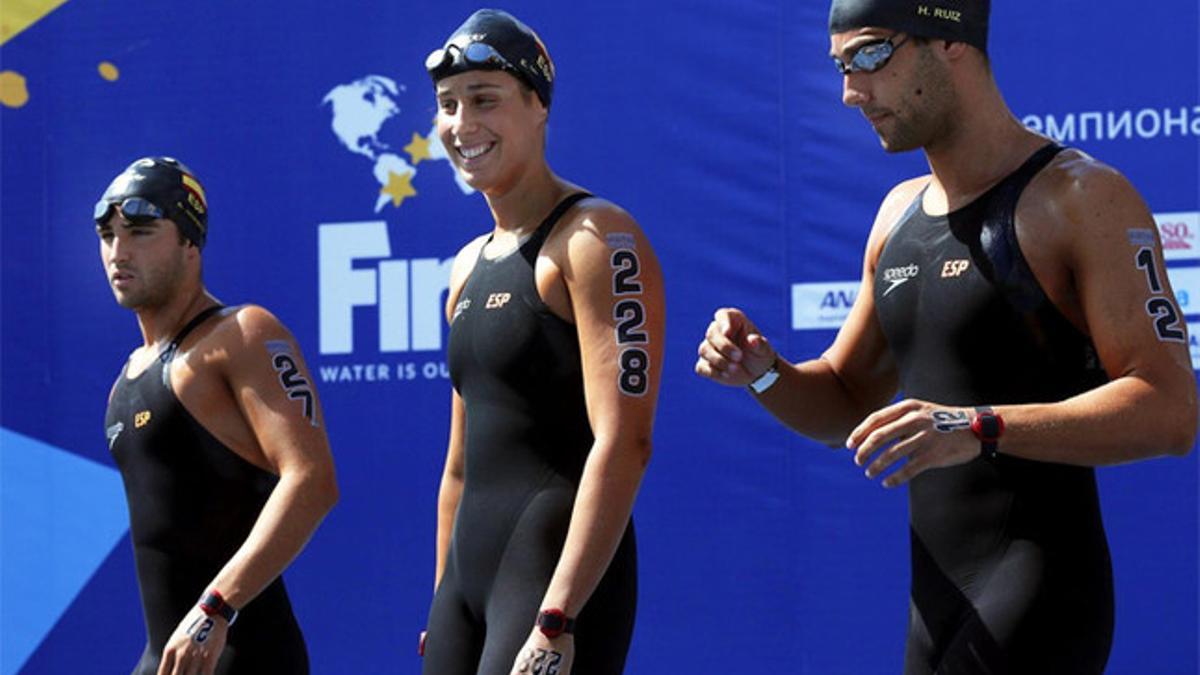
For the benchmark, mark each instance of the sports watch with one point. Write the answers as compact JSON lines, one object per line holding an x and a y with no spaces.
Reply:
{"x":988,"y":427}
{"x":213,"y":604}
{"x":766,"y":380}
{"x":554,"y":622}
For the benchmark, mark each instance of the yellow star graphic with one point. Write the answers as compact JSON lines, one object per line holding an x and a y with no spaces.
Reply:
{"x":399,"y":187}
{"x":418,"y":149}
{"x":17,"y":16}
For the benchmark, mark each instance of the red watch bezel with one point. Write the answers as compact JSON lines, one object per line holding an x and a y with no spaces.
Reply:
{"x":564,"y":623}
{"x":977,"y":426}
{"x":989,"y":444}
{"x":212,"y":603}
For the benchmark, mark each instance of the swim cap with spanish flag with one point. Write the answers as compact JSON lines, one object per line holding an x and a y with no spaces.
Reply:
{"x":171,"y":186}
{"x":951,"y":20}
{"x":492,"y":39}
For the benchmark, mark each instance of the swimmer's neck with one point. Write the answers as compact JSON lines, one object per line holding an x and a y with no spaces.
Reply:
{"x":160,"y":324}
{"x":519,"y":209}
{"x":985,"y":144}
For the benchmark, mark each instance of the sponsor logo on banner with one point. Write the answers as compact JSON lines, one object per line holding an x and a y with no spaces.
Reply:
{"x":1185,"y":281}
{"x":1194,"y":344}
{"x":822,"y":305}
{"x":357,"y":276}
{"x":1180,"y":233}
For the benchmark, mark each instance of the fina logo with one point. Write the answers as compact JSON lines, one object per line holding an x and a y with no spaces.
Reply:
{"x":355,"y":267}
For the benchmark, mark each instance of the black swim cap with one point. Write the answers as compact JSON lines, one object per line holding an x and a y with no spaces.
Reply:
{"x":519,"y":50}
{"x":169,"y":185}
{"x":952,"y":20}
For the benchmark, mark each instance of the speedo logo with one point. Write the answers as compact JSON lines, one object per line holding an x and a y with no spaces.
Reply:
{"x":895,"y":276}
{"x":462,"y":306}
{"x":112,"y":432}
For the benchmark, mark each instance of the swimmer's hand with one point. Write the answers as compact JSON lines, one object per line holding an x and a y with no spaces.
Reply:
{"x":543,"y":656}
{"x":925,"y":435}
{"x":195,"y":646}
{"x":733,"y":351}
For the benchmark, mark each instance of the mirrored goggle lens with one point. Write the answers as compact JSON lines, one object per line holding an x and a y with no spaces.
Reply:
{"x":100,"y":212}
{"x":437,"y":58}
{"x":869,"y":59}
{"x":136,"y":208}
{"x":479,"y":53}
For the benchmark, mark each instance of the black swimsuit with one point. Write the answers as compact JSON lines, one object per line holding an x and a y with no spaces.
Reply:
{"x":192,"y":503}
{"x":1011,"y":571}
{"x":517,"y":367}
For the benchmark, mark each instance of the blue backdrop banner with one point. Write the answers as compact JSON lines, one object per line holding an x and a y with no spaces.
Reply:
{"x":718,"y":125}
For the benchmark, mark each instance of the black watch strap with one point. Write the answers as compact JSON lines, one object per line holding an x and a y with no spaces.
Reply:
{"x":554,"y":622}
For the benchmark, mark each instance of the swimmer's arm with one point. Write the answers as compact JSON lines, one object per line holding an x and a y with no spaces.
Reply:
{"x":292,"y":437}
{"x":1149,"y":407}
{"x":620,"y":397}
{"x":1078,"y":214}
{"x":255,"y":355}
{"x":450,"y":492}
{"x":826,"y":397}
